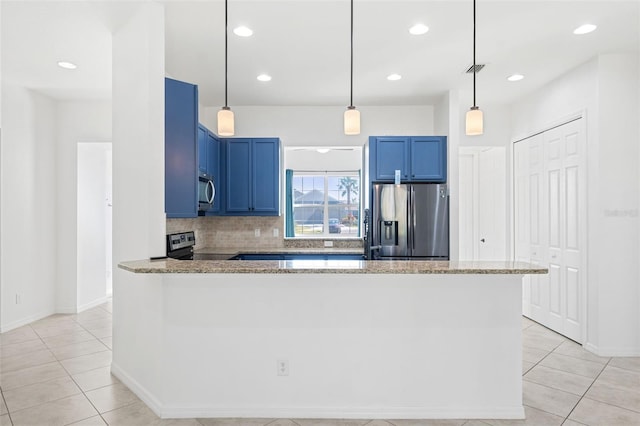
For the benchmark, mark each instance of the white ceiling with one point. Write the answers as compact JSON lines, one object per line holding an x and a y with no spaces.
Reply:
{"x":304,"y":46}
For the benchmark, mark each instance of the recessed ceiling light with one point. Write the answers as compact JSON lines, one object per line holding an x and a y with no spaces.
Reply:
{"x":515,"y":77}
{"x":323,"y":150}
{"x":243,"y":31}
{"x":264,"y":77}
{"x":419,"y":29}
{"x":67,"y":65}
{"x":585,"y":29}
{"x":394,"y":77}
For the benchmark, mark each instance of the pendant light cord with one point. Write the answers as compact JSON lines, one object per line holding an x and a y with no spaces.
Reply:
{"x":226,"y":32}
{"x":474,"y":53}
{"x":351,"y":91}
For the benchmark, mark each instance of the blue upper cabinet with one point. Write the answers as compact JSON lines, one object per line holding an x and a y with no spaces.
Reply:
{"x":429,"y":158}
{"x":391,"y":154}
{"x":266,"y":176}
{"x":212,"y":153}
{"x":419,"y":158}
{"x":252,"y":176}
{"x":202,"y":150}
{"x":181,"y":154}
{"x":238,"y":186}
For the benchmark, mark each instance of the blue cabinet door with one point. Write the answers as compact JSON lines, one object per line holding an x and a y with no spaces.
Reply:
{"x":202,"y":150}
{"x":238,"y":189}
{"x":213,"y":170}
{"x":181,"y":159}
{"x":266,"y":173}
{"x":391,"y":154}
{"x":429,"y":158}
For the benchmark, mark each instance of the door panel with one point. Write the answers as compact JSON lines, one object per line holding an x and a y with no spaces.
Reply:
{"x":555,"y":225}
{"x":573,"y":281}
{"x":571,"y":181}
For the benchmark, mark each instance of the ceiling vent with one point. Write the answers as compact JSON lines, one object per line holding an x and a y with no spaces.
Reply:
{"x":477,"y":68}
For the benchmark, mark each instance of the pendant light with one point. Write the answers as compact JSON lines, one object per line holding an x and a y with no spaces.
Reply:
{"x":474,"y":120}
{"x":351,"y":115}
{"x":225,"y":115}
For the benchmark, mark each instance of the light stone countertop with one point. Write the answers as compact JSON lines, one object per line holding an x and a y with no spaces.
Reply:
{"x":172,"y":266}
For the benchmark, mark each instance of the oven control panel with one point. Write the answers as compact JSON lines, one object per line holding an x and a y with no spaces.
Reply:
{"x":181,"y":240}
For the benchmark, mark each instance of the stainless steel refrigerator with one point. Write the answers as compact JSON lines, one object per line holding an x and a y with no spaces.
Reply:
{"x":410,"y":221}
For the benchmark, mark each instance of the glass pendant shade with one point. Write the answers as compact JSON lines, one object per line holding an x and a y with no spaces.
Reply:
{"x":352,"y":121}
{"x":225,"y":122}
{"x":474,"y":122}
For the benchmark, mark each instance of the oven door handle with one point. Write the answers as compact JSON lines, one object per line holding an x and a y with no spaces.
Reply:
{"x":210,"y":190}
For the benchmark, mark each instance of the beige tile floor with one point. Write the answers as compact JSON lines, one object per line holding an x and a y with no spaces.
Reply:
{"x":56,"y":372}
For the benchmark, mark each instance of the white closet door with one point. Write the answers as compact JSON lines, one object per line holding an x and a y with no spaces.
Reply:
{"x":551,"y":187}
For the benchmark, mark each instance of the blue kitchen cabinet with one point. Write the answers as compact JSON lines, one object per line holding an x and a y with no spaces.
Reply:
{"x":390,"y":154}
{"x":181,"y":153}
{"x":419,"y":158}
{"x":202,"y":150}
{"x":252,"y":176}
{"x":428,"y":158}
{"x":212,"y":153}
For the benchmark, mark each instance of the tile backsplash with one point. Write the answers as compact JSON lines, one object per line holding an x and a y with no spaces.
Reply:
{"x":231,"y":231}
{"x":240,"y":232}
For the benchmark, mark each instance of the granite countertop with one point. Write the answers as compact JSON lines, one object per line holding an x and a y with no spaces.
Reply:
{"x":172,"y":266}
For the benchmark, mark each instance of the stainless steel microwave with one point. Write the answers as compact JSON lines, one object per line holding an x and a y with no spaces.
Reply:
{"x":206,"y":193}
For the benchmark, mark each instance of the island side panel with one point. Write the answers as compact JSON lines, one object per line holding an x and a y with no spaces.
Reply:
{"x":357,"y":345}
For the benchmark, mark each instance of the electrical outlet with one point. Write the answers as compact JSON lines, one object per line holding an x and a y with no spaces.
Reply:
{"x":276,"y":232}
{"x":328,"y":243}
{"x":283,"y":367}
{"x":256,"y":232}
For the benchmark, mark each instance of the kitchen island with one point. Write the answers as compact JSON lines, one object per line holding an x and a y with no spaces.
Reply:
{"x":322,"y":339}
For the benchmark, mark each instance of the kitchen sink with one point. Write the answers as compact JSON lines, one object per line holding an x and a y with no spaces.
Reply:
{"x":298,"y":256}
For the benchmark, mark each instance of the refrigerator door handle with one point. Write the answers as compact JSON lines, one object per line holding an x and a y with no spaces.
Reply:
{"x":410,"y":221}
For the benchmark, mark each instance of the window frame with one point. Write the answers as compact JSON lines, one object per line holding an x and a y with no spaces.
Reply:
{"x":325,"y":175}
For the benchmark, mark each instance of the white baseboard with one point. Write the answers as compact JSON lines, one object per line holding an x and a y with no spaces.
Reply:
{"x":24,"y":321}
{"x":176,"y":412}
{"x":213,"y":411}
{"x":140,"y":391}
{"x":93,"y":303}
{"x":70,"y":310}
{"x":612,"y":351}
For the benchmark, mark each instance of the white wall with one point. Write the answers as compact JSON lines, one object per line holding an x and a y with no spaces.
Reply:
{"x":451,"y":108}
{"x":605,"y":90}
{"x":78,"y":121}
{"x":618,"y":190}
{"x":28,"y":215}
{"x":310,"y":126}
{"x":310,"y":159}
{"x":93,"y":173}
{"x":138,"y":184}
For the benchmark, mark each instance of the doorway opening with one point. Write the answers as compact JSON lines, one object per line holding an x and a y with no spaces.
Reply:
{"x":94,"y":224}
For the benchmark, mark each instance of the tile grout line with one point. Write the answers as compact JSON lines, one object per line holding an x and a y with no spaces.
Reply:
{"x":82,"y":390}
{"x":6,"y":406}
{"x":585,"y":392}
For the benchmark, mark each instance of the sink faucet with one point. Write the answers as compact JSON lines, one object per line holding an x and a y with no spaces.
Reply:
{"x":372,"y":249}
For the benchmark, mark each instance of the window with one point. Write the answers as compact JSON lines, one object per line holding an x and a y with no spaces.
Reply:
{"x":326,"y":205}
